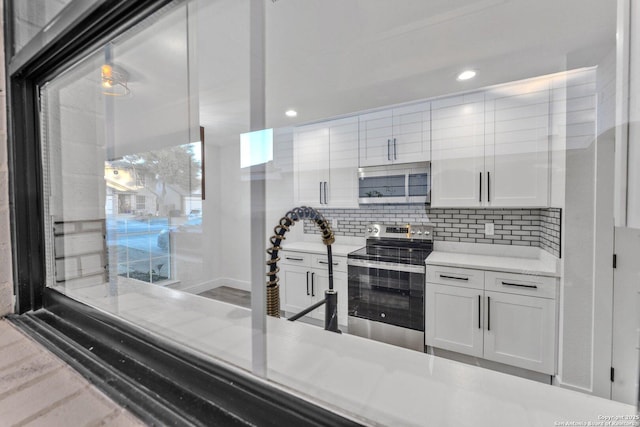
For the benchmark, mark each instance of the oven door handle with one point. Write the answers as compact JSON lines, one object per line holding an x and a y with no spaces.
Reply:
{"x":409,"y":268}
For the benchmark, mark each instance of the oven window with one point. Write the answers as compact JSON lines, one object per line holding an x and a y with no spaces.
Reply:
{"x":387,"y":296}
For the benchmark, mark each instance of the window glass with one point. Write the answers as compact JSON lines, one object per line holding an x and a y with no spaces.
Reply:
{"x":30,"y":17}
{"x":484,"y":133}
{"x":129,"y":229}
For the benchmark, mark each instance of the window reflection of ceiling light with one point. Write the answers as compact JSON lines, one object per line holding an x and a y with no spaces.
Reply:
{"x":114,"y":81}
{"x":466,"y":75}
{"x":291,"y":113}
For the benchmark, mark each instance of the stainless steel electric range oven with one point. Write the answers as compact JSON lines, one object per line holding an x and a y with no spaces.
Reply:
{"x":386,"y":284}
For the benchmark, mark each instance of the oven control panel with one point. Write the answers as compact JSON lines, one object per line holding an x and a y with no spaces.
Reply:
{"x":408,"y":231}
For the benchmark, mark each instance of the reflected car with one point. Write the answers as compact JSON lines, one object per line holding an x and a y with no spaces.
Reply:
{"x":193,"y":225}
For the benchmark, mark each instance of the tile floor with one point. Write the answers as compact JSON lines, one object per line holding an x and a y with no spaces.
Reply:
{"x":38,"y":389}
{"x":229,"y":295}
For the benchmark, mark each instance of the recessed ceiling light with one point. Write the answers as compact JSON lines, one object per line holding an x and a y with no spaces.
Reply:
{"x":291,"y":113}
{"x":466,"y":75}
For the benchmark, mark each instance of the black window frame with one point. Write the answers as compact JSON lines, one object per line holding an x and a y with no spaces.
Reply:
{"x":105,"y":19}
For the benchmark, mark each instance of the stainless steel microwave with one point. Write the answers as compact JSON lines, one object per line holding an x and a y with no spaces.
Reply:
{"x":405,"y":183}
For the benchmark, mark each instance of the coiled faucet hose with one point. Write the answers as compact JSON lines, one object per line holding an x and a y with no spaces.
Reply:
{"x":289,"y":219}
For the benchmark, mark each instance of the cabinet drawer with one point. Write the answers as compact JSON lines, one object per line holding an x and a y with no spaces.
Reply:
{"x":463,"y":277}
{"x":295,"y":258}
{"x":521,"y":284}
{"x":320,"y":261}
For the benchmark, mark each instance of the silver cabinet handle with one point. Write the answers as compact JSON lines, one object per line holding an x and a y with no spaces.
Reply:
{"x":395,"y":152}
{"x":488,"y":186}
{"x":488,"y":313}
{"x":320,"y":192}
{"x":480,"y":196}
{"x":520,"y":285}
{"x":388,"y":149}
{"x":294,"y":259}
{"x":326,"y":263}
{"x":479,"y":311}
{"x":454,"y":277}
{"x":313,"y":291}
{"x":325,"y":193}
{"x":307,"y":283}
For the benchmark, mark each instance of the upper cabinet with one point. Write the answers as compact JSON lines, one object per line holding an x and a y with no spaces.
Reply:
{"x":517,"y":138}
{"x":457,"y":144}
{"x":326,"y":164}
{"x":491,"y":148}
{"x":397,"y":135}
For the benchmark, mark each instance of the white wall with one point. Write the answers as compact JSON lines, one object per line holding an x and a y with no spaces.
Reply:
{"x":233,"y":235}
{"x":6,"y":262}
{"x":626,"y":322}
{"x":633,"y":183}
{"x":279,"y":191}
{"x":574,"y":107}
{"x":604,"y":231}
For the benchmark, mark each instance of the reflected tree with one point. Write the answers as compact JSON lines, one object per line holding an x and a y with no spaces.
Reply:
{"x":175,"y":165}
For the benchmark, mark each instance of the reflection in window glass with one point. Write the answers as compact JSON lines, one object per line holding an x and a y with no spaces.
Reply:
{"x":31,"y":16}
{"x":151,"y":201}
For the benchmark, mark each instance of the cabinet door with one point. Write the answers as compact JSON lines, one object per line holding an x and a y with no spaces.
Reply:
{"x":310,"y":164}
{"x":517,"y":144}
{"x":453,"y":318}
{"x":340,"y":280}
{"x":520,"y":331}
{"x":411,"y":134}
{"x":342,"y":185}
{"x":457,"y":151}
{"x":319,"y":282}
{"x":295,"y":288}
{"x":340,"y":284}
{"x":376,"y":135}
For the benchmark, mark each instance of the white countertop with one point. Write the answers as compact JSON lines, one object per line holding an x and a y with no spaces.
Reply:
{"x":318,"y":247}
{"x":373,"y":382}
{"x":486,"y":257}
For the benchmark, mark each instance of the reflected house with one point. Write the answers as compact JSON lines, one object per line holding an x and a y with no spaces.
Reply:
{"x":131,"y":191}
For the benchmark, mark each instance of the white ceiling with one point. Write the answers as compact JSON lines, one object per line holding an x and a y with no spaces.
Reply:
{"x":333,"y":57}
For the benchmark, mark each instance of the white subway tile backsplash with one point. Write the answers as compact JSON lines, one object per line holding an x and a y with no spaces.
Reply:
{"x":522,"y":227}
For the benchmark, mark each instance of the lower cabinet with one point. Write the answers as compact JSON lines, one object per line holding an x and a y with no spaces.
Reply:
{"x":303,"y":279}
{"x":452,"y":319}
{"x":515,"y":324}
{"x":520,"y":331}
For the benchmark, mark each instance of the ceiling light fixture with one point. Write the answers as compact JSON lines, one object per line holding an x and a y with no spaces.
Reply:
{"x":114,"y":81}
{"x":466,"y":75}
{"x":291,"y":113}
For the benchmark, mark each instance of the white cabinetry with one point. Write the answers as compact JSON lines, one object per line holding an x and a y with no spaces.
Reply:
{"x":398,"y":135}
{"x":325,"y":164}
{"x":503,"y":317}
{"x":453,"y":316}
{"x":517,"y":136}
{"x":304,"y":278}
{"x":457,"y":149}
{"x":491,"y":148}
